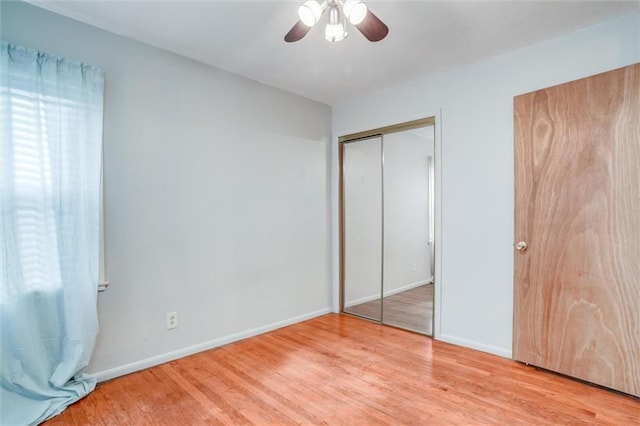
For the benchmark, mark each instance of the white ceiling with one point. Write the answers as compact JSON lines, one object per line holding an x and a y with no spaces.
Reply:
{"x":425,"y":37}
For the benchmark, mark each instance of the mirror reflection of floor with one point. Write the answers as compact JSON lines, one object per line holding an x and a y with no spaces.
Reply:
{"x":411,"y":309}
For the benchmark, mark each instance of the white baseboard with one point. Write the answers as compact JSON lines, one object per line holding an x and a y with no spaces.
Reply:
{"x":122,"y":370}
{"x":386,"y":293}
{"x":495,"y":350}
{"x":361,"y":300}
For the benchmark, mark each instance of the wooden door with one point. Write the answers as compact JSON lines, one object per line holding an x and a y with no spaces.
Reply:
{"x":577,"y":206}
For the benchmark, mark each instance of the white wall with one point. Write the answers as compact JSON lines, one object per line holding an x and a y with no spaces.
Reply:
{"x":475,"y":159}
{"x":216,"y":196}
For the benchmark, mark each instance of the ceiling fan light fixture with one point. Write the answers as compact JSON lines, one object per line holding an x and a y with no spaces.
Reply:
{"x":310,"y":12}
{"x":339,"y":13}
{"x":334,"y":31}
{"x":355,"y":11}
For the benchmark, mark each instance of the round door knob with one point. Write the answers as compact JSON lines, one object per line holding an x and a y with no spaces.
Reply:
{"x":521,"y":246}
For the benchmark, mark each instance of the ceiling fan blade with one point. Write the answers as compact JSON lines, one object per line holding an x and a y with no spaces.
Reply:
{"x":372,"y":27}
{"x":297,"y":32}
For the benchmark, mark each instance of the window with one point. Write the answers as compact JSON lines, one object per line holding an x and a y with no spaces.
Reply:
{"x":50,"y":169}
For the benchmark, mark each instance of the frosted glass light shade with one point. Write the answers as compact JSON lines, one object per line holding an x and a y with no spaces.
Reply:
{"x":310,"y":12}
{"x":355,"y":11}
{"x":334,"y":32}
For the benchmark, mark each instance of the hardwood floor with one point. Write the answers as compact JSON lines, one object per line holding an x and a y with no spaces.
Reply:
{"x":338,"y":369}
{"x":411,"y":309}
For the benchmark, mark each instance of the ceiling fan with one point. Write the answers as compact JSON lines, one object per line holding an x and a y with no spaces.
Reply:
{"x":339,"y":11}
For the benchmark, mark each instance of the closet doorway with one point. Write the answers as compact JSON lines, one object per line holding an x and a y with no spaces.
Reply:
{"x":387,"y":226}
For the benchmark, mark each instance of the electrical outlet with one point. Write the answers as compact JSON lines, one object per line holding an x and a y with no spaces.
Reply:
{"x":414,"y":267}
{"x":172,"y":320}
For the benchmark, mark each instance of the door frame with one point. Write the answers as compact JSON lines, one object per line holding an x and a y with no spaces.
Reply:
{"x":434,"y":198}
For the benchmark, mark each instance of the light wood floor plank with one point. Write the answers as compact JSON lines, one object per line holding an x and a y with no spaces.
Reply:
{"x":338,"y":369}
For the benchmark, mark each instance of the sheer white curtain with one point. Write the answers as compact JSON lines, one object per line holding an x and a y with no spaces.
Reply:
{"x":50,"y":161}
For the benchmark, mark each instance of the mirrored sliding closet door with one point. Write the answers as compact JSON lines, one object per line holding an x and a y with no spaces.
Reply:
{"x":388,"y":222}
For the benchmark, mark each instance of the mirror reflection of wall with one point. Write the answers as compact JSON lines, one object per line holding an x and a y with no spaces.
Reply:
{"x":363,"y":227}
{"x":388,"y":227}
{"x":408,"y":278}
